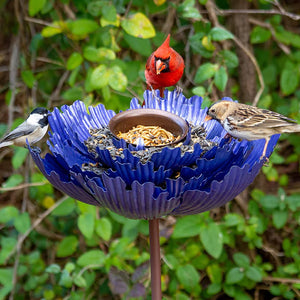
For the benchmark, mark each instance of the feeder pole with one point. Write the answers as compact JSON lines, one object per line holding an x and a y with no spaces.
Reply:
{"x":155,"y":259}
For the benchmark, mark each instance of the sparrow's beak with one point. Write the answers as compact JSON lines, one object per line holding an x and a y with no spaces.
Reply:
{"x":207,"y":118}
{"x":159,"y":66}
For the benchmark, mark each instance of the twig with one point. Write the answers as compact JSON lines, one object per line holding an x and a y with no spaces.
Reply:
{"x":224,"y":12}
{"x":283,"y":47}
{"x":22,"y":186}
{"x":258,"y":71}
{"x":23,"y":209}
{"x":132,"y":92}
{"x":41,"y":22}
{"x":50,"y":61}
{"x":87,"y":268}
{"x":34,"y":225}
{"x":13,"y":73}
{"x":69,"y":12}
{"x":55,"y":94}
{"x":282,"y":280}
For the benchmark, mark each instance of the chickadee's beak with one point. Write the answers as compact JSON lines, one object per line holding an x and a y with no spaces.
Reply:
{"x":49,"y":114}
{"x":207,"y":118}
{"x":159,"y":66}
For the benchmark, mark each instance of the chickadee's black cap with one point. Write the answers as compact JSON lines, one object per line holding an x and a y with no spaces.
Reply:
{"x":40,"y":110}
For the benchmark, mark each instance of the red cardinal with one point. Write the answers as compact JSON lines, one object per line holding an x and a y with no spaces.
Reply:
{"x":164,"y":67}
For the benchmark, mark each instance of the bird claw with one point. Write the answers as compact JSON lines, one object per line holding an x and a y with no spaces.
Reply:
{"x":179,"y":90}
{"x":153,"y":93}
{"x":228,"y":136}
{"x":36,"y":150}
{"x":266,"y":160}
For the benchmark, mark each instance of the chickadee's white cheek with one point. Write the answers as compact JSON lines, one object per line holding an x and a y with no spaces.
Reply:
{"x":34,"y":119}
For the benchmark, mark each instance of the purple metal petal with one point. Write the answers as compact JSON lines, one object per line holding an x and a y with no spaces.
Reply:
{"x":63,"y":183}
{"x":136,"y":203}
{"x":141,"y":173}
{"x":235,"y":181}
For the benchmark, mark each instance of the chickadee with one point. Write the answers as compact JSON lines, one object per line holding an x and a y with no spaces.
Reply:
{"x":32,"y":130}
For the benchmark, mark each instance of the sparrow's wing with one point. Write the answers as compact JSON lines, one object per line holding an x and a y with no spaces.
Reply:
{"x":251,"y":117}
{"x":21,"y":130}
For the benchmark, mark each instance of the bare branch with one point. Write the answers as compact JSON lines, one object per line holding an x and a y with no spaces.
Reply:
{"x":34,"y":225}
{"x":22,"y":186}
{"x":225,"y":12}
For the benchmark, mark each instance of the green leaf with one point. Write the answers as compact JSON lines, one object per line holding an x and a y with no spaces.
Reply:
{"x":221,"y":79}
{"x":214,"y":288}
{"x":199,"y":91}
{"x":220,"y":34}
{"x":254,"y":274}
{"x":19,"y":157}
{"x":99,"y":77}
{"x":74,"y":61}
{"x":280,"y":218}
{"x":92,"y":257}
{"x":67,"y":246}
{"x":56,"y":28}
{"x":229,"y":58}
{"x":53,"y":268}
{"x":109,"y":12}
{"x":98,"y":54}
{"x":259,"y":35}
{"x":188,"y":276}
{"x":73,"y":93}
{"x":65,"y":279}
{"x":233,"y":219}
{"x":289,"y":79}
{"x":86,"y":224}
{"x":28,"y":78}
{"x":234,"y":275}
{"x":188,"y":10}
{"x":187,"y":226}
{"x":241,"y":260}
{"x":65,"y":208}
{"x":95,"y":8}
{"x":205,"y":72}
{"x":104,"y":228}
{"x":117,"y":80}
{"x":291,"y":269}
{"x":269,"y":201}
{"x":212,"y":239}
{"x":13,"y":181}
{"x":82,"y":27}
{"x":141,"y":46}
{"x":293,"y":201}
{"x":8,"y":213}
{"x":73,"y":76}
{"x":35,"y":6}
{"x":80,"y":281}
{"x":214,"y":272}
{"x":198,"y":47}
{"x":138,"y":25}
{"x":22,"y":222}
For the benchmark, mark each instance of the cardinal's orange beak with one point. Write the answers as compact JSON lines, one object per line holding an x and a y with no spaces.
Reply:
{"x":159,"y":66}
{"x":207,"y":118}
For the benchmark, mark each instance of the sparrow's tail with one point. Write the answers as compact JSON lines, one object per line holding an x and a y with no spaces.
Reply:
{"x":294,"y":128}
{"x":5,"y":144}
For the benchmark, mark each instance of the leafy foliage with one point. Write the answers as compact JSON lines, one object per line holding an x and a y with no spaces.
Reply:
{"x":96,"y":51}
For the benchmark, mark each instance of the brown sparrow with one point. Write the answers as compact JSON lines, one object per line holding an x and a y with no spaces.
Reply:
{"x":250,"y":123}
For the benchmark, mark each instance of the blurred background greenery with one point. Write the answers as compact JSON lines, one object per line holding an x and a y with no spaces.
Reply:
{"x":54,"y":52}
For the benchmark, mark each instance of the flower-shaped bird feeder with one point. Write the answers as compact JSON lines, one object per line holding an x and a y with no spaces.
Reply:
{"x":194,"y":171}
